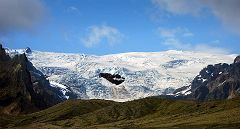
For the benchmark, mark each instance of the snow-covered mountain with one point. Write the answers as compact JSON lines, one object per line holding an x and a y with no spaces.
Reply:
{"x":145,"y":73}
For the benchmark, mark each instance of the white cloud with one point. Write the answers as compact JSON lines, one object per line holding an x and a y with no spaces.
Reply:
{"x":225,"y":10}
{"x":96,"y":34}
{"x":175,"y":43}
{"x":216,"y":42}
{"x":73,"y":9}
{"x":228,"y":11}
{"x":167,"y":33}
{"x":188,"y":34}
{"x":209,"y":49}
{"x":179,"y":6}
{"x":20,"y":14}
{"x":169,"y":38}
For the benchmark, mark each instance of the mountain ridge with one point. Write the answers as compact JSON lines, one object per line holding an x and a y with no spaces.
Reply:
{"x":175,"y":110}
{"x":146,"y":74}
{"x":143,"y":113}
{"x":214,"y":82}
{"x":23,"y":88}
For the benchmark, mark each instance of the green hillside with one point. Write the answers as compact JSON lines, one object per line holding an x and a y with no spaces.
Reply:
{"x":143,"y":113}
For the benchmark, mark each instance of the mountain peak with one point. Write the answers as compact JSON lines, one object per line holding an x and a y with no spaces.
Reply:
{"x":28,"y":50}
{"x":237,"y":59}
{"x":219,"y":81}
{"x":23,"y":88}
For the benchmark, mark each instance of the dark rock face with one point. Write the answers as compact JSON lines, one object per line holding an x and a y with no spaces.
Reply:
{"x":44,"y":95}
{"x":3,"y":56}
{"x":23,"y":89}
{"x":237,"y":59}
{"x":28,"y":50}
{"x":220,"y":81}
{"x":115,"y":79}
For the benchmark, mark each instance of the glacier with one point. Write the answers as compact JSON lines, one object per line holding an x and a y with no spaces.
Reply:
{"x":146,"y":73}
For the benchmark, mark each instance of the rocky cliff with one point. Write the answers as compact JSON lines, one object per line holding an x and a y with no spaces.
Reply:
{"x":219,"y":81}
{"x":23,"y":89}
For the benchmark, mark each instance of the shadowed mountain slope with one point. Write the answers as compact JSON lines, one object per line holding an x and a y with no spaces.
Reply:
{"x":214,"y":82}
{"x":143,"y":113}
{"x":23,"y":89}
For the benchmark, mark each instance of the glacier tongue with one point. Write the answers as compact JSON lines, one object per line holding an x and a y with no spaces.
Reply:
{"x":146,"y":74}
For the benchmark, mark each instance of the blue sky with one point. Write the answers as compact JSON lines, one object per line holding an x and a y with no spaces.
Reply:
{"x":116,"y":26}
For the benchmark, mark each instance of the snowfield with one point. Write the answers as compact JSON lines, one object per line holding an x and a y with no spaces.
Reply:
{"x":146,"y":73}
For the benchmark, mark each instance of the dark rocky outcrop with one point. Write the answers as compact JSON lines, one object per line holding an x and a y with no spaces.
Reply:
{"x":220,"y":81}
{"x":3,"y":56}
{"x":115,"y":78}
{"x":23,"y":89}
{"x":237,"y":59}
{"x":28,"y":50}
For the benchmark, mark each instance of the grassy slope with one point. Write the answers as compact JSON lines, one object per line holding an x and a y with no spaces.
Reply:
{"x":144,"y":113}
